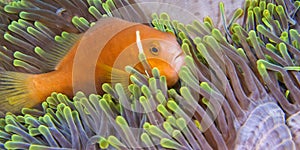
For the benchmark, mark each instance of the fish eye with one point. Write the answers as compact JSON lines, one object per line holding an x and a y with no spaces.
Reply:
{"x":154,"y":50}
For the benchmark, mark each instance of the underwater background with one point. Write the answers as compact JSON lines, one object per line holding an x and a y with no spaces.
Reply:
{"x":239,"y":89}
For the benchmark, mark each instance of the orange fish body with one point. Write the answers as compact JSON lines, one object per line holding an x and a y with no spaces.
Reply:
{"x":110,"y":44}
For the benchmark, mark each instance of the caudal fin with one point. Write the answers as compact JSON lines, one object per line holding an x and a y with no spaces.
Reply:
{"x":15,"y":92}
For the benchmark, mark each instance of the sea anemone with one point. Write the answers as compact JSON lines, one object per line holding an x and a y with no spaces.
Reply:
{"x":239,"y":88}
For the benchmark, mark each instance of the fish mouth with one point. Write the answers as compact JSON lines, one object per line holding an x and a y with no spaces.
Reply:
{"x":178,"y":61}
{"x":167,"y":67}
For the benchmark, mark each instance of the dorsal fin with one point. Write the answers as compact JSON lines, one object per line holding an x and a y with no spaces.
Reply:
{"x":56,"y":52}
{"x":32,"y":36}
{"x":36,"y":48}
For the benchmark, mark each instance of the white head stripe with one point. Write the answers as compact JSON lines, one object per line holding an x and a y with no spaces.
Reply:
{"x":138,"y":42}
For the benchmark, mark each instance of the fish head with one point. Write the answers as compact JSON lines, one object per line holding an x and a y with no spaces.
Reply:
{"x":124,"y":48}
{"x":163,"y":52}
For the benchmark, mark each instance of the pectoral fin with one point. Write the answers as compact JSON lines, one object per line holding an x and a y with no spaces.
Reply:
{"x":113,"y":76}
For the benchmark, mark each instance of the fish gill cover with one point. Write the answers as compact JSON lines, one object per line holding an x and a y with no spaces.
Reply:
{"x":239,"y":88}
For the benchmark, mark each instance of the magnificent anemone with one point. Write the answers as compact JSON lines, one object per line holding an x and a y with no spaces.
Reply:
{"x":239,"y":88}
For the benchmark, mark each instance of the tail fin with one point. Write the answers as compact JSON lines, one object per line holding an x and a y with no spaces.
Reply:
{"x":14,"y":92}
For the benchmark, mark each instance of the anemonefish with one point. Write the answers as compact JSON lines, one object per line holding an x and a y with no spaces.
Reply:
{"x":109,"y":45}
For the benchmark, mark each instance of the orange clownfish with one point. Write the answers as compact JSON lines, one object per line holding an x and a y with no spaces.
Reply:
{"x":109,"y":45}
